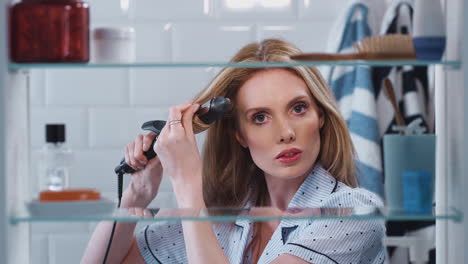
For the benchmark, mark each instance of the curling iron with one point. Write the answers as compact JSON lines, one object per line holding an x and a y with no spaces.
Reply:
{"x":208,"y":113}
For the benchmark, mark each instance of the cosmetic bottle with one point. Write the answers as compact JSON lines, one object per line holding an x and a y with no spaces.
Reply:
{"x":56,"y":159}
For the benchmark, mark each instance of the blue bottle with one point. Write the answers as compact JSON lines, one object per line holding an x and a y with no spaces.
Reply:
{"x":418,"y":189}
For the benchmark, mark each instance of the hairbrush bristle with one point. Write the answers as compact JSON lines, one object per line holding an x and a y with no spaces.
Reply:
{"x":393,"y":46}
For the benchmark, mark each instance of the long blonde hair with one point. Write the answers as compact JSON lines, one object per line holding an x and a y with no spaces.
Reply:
{"x":230,"y":177}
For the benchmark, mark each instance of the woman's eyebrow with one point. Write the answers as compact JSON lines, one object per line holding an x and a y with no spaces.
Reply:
{"x":298,"y":98}
{"x":290,"y":103}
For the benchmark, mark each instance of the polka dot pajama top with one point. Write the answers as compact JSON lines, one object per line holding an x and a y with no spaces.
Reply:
{"x":316,"y":241}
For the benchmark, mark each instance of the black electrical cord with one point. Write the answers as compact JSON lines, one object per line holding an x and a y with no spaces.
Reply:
{"x":119,"y":187}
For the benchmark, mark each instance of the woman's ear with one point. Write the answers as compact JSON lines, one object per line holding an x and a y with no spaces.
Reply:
{"x":240,"y":139}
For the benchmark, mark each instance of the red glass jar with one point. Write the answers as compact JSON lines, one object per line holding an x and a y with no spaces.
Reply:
{"x":49,"y":31}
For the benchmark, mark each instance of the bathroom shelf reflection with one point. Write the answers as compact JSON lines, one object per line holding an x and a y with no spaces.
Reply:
{"x":26,"y":66}
{"x":251,"y":214}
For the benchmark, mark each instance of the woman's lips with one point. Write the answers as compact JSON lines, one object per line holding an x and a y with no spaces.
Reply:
{"x":289,"y":159}
{"x":288,"y":152}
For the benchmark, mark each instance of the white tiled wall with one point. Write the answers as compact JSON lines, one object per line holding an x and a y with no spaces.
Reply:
{"x":103,"y":108}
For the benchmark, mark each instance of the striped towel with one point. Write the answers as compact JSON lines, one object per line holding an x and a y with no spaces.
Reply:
{"x":411,"y":83}
{"x":415,"y":100}
{"x":355,"y":95}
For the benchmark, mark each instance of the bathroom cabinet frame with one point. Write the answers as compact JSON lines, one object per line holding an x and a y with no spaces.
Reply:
{"x":451,"y":129}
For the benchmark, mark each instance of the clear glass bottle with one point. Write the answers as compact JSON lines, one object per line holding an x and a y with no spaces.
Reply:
{"x":56,"y":159}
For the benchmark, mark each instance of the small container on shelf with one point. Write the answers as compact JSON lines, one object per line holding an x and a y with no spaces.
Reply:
{"x":56,"y":198}
{"x":69,"y":195}
{"x":429,"y":30}
{"x":409,"y":166}
{"x":49,"y":31}
{"x":70,"y":203}
{"x":113,"y":45}
{"x":56,"y":159}
{"x":418,"y":188}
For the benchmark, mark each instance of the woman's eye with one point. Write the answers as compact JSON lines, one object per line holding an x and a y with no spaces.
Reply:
{"x":299,"y":108}
{"x":259,"y":118}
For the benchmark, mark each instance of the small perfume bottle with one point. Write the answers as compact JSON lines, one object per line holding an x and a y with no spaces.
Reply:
{"x":56,"y":159}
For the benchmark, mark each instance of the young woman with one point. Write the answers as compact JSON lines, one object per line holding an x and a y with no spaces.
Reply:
{"x":284,"y":145}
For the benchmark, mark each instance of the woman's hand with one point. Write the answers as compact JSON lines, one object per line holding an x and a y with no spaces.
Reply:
{"x":144,"y":183}
{"x":179,"y":155}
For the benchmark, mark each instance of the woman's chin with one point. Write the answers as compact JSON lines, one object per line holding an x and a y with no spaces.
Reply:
{"x":290,"y":172}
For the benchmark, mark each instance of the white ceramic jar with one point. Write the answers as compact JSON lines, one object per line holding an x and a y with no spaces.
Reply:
{"x":114,"y":45}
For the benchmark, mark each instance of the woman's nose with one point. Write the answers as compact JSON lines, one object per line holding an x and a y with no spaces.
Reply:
{"x":286,"y":134}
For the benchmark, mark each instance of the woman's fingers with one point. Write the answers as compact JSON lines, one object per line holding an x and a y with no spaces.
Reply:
{"x":134,"y":151}
{"x":175,"y":116}
{"x":129,"y":155}
{"x":138,"y":151}
{"x":188,"y":117}
{"x":174,"y":123}
{"x":147,"y":140}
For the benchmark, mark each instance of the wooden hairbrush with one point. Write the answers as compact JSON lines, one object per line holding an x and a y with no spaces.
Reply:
{"x":385,"y":47}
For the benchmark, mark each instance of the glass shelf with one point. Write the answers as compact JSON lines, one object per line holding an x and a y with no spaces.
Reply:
{"x":27,"y":66}
{"x":251,"y":214}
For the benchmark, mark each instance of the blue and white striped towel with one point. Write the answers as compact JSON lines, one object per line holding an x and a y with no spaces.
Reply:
{"x":356,"y":98}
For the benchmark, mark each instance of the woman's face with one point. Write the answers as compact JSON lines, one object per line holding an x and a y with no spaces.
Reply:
{"x":279,"y":122}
